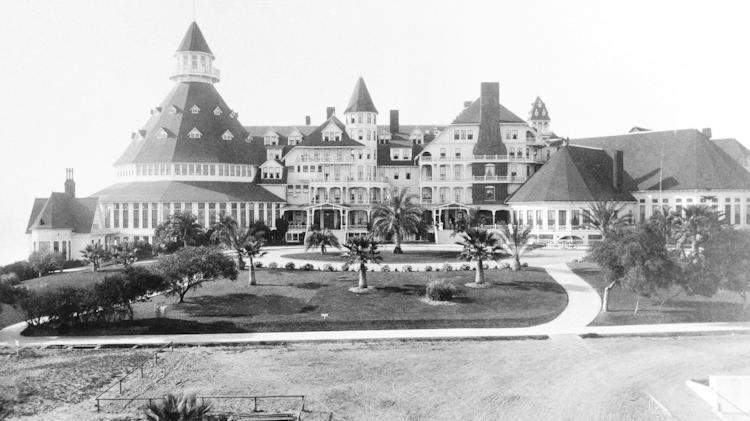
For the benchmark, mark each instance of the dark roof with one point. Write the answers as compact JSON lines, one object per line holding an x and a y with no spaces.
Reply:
{"x":384,"y":153}
{"x":186,"y":191}
{"x":315,"y":138}
{"x":573,"y":174}
{"x":538,"y":110}
{"x":61,"y":211}
{"x":685,"y":160}
{"x":178,"y":146}
{"x":194,"y":40}
{"x":732,"y":147}
{"x":283,"y":131}
{"x":470,"y":115}
{"x":360,"y":100}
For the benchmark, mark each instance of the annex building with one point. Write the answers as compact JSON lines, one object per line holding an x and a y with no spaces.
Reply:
{"x":194,"y":155}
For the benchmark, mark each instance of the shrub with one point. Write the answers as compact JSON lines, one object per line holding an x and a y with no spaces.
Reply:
{"x":437,"y":269}
{"x":289,"y":265}
{"x":345,"y":267}
{"x":428,"y":268}
{"x":524,"y":264}
{"x":273,"y":265}
{"x":447,"y":267}
{"x":385,"y":268}
{"x":21,"y":268}
{"x":45,"y":262}
{"x":395,"y":269}
{"x":258,"y":264}
{"x":440,"y":290}
{"x":143,"y":250}
{"x":69,"y":264}
{"x":11,"y":279}
{"x":116,"y":293}
{"x":485,"y":266}
{"x":505,"y":265}
{"x":328,"y":268}
{"x":307,"y":266}
{"x":407,"y":268}
{"x":465,"y":266}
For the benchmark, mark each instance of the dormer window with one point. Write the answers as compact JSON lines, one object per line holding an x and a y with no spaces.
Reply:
{"x":174,"y":109}
{"x":162,"y":134}
{"x":249,"y":138}
{"x":217,"y":111}
{"x":195,"y":133}
{"x":270,"y":140}
{"x":227,"y":135}
{"x":233,"y":114}
{"x":194,"y":109}
{"x":331,"y":136}
{"x":398,"y":154}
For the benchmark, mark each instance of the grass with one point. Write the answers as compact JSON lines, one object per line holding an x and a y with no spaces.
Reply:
{"x":682,"y":308}
{"x":294,"y":301}
{"x":409,"y":256}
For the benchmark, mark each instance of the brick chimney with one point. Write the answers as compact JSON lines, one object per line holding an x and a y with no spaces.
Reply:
{"x":330,"y":111}
{"x":70,"y":185}
{"x":617,"y":168}
{"x":395,"y":127}
{"x":489,"y":112}
{"x":707,"y":132}
{"x":307,"y":120}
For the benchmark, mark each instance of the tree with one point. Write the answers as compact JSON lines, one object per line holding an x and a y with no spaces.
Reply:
{"x":361,"y":250}
{"x":724,"y":263}
{"x":479,"y":245}
{"x":45,"y":262}
{"x":177,"y":408}
{"x":181,"y":228}
{"x":515,"y":241}
{"x":124,"y":254}
{"x":191,"y":267}
{"x":227,"y":233}
{"x":398,"y":217}
{"x":606,"y":216}
{"x":95,"y":254}
{"x":122,"y":289}
{"x":11,"y":294}
{"x":694,"y":227}
{"x":252,"y":246}
{"x":321,"y":239}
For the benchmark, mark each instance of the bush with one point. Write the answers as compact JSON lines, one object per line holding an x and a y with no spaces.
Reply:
{"x":465,"y":266}
{"x":407,"y":268}
{"x":524,"y":265}
{"x":485,"y":266}
{"x":345,"y":267}
{"x":505,"y":265}
{"x":11,"y":279}
{"x":21,"y":268}
{"x":258,"y":264}
{"x":428,"y":268}
{"x":143,"y":250}
{"x":46,"y":262}
{"x":273,"y":265}
{"x":328,"y":268}
{"x":447,"y":267}
{"x":70,"y":264}
{"x":437,"y":269}
{"x":440,"y":290}
{"x":289,"y":265}
{"x":385,"y":268}
{"x":307,"y":267}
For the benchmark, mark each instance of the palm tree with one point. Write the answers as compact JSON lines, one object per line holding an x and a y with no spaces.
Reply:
{"x":399,"y":216}
{"x":95,"y":254}
{"x":695,"y":227}
{"x":177,"y":408}
{"x":182,"y":227}
{"x":606,"y":216}
{"x":251,"y":243}
{"x":322,"y":239}
{"x":226,"y":232}
{"x":362,"y":249}
{"x":515,"y":240}
{"x":479,"y":245}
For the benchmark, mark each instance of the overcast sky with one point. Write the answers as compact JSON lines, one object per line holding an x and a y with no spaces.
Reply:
{"x":80,"y":76}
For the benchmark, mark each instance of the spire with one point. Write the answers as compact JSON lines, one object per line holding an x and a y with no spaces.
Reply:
{"x":194,"y":41}
{"x":538,"y":110}
{"x":360,"y":100}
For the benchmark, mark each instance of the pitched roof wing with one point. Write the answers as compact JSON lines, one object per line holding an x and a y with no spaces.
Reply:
{"x":61,"y":211}
{"x":315,"y":138}
{"x":186,"y":191}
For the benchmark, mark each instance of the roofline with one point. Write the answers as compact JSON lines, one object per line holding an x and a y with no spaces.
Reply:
{"x":638,"y":134}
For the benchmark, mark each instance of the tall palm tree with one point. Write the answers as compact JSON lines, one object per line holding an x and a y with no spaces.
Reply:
{"x":479,"y":245}
{"x":362,"y":249}
{"x":322,"y":239}
{"x":399,"y":216}
{"x":226,"y":232}
{"x":606,"y":216}
{"x":516,"y":241}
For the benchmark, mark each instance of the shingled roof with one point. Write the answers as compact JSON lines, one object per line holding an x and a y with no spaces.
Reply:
{"x":470,"y":115}
{"x":685,"y":160}
{"x":573,"y":174}
{"x":194,"y":40}
{"x":62,"y":211}
{"x":178,"y":121}
{"x":315,"y":138}
{"x":186,"y":191}
{"x":360,"y":100}
{"x":732,"y":147}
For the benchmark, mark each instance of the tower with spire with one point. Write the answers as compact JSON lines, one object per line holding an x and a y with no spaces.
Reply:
{"x":194,"y":59}
{"x":361,"y":116}
{"x":539,"y":117}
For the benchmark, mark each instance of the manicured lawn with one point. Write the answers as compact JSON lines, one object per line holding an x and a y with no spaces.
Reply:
{"x":294,"y":301}
{"x":409,"y":256}
{"x":723,"y":307}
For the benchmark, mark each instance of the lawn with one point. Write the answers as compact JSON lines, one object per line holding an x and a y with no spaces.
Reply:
{"x":722,"y":307}
{"x":409,"y":256}
{"x":295,"y":300}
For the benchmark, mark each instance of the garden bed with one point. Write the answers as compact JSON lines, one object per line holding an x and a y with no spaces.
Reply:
{"x":409,"y":256}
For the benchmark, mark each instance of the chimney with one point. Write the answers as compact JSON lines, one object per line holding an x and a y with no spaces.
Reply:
{"x":617,"y":168}
{"x":330,"y":111}
{"x":707,"y":132}
{"x":395,"y":127}
{"x":307,"y":120}
{"x":467,"y":103}
{"x":70,"y":185}
{"x":489,"y":112}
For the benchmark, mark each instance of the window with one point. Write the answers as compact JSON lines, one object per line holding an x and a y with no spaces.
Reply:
{"x":457,"y":194}
{"x":562,"y":219}
{"x":359,"y":119}
{"x":489,"y":193}
{"x":217,"y":111}
{"x":489,"y":170}
{"x":162,"y":134}
{"x":395,"y":174}
{"x":195,"y":133}
{"x":575,"y":218}
{"x":463,"y":134}
{"x":408,"y":175}
{"x":737,"y":214}
{"x":117,"y":216}
{"x":457,"y":172}
{"x":136,"y":215}
{"x":227,"y":135}
{"x":443,"y":170}
{"x":550,"y":219}
{"x":539,"y":218}
{"x":125,"y":219}
{"x":458,"y":153}
{"x":443,"y":151}
{"x":427,"y":195}
{"x":194,"y":109}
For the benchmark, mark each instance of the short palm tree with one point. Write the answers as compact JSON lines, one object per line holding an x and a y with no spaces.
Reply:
{"x":606,"y":216}
{"x":479,"y":245}
{"x":399,"y":216}
{"x":182,"y":227}
{"x":177,"y":408}
{"x":251,"y":242}
{"x":362,"y":249}
{"x":516,"y":241}
{"x":95,"y":254}
{"x":322,"y":239}
{"x":227,"y":233}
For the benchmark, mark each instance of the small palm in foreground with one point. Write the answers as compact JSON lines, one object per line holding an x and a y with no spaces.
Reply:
{"x":251,"y":242}
{"x":479,"y":245}
{"x":177,"y":408}
{"x":362,"y":249}
{"x":321,"y":239}
{"x":400,"y":216}
{"x":516,"y":241}
{"x":95,"y":254}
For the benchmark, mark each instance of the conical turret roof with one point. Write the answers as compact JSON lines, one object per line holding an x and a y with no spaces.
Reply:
{"x":194,"y":40}
{"x":360,"y":100}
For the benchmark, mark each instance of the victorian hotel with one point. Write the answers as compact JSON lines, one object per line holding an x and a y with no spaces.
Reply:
{"x":194,"y":155}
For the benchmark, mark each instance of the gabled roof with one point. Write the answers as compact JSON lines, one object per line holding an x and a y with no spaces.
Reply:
{"x":685,"y":160}
{"x":61,"y":211}
{"x":538,"y":110}
{"x":732,"y":147}
{"x":186,"y":191}
{"x":194,"y":40}
{"x":470,"y":115}
{"x":360,"y":100}
{"x":178,"y":146}
{"x":573,"y":174}
{"x":315,"y":138}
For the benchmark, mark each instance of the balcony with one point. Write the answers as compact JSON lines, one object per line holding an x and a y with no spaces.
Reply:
{"x":342,"y":181}
{"x":498,"y":179}
{"x":324,"y":159}
{"x":492,"y":158}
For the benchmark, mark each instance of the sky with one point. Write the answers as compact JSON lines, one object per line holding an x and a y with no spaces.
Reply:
{"x":81,"y":76}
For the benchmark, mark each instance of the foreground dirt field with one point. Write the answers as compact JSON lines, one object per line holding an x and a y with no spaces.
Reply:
{"x":560,"y":378}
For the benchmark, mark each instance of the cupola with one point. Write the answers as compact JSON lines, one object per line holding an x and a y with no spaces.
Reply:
{"x":194,"y":60}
